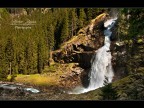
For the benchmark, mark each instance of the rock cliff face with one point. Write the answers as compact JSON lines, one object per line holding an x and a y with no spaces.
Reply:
{"x":127,"y":56}
{"x":81,"y":48}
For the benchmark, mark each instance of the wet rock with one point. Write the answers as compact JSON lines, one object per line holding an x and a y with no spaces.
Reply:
{"x":10,"y":88}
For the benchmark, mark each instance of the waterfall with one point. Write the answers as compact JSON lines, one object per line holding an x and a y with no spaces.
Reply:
{"x":101,"y":68}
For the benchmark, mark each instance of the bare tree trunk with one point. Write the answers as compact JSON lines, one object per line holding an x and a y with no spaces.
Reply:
{"x":10,"y":68}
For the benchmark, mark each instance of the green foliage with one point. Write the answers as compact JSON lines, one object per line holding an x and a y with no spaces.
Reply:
{"x":65,"y":31}
{"x":140,"y":41}
{"x":82,"y":17}
{"x":73,"y":22}
{"x":131,"y":22}
{"x":89,"y":13}
{"x":3,"y":73}
{"x":108,"y":93}
{"x":9,"y":50}
{"x":3,"y":64}
{"x":13,"y":76}
{"x":40,"y":60}
{"x":50,"y":36}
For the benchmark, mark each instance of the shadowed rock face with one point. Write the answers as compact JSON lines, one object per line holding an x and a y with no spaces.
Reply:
{"x":127,"y":57}
{"x":81,"y":48}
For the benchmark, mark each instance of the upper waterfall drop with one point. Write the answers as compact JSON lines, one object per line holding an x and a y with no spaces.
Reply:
{"x":101,"y":68}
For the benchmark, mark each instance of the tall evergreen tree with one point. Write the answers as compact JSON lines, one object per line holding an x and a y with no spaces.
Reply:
{"x":50,"y":37}
{"x":73,"y":20}
{"x":89,"y":13}
{"x":39,"y":58}
{"x":82,"y":17}
{"x":9,"y":54}
{"x":65,"y":29}
{"x":108,"y":93}
{"x":29,"y":58}
{"x":3,"y":72}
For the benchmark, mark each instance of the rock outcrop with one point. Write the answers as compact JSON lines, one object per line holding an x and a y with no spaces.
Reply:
{"x":82,"y":47}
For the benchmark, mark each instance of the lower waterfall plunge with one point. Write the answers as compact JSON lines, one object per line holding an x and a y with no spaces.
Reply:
{"x":101,"y":67}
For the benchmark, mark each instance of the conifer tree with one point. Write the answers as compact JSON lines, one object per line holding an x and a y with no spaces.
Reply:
{"x":108,"y":93}
{"x":3,"y":72}
{"x":73,"y":20}
{"x":65,"y":29}
{"x":89,"y":13}
{"x":40,"y":57}
{"x":9,"y":54}
{"x":82,"y":17}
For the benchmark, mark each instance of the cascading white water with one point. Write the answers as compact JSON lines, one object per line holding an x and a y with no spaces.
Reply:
{"x":101,"y":66}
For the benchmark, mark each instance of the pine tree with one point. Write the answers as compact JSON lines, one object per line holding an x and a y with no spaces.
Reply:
{"x":82,"y":17}
{"x":3,"y":72}
{"x":40,"y":57}
{"x":50,"y":36}
{"x":9,"y":54}
{"x":29,"y":58}
{"x":65,"y":29}
{"x":73,"y":20}
{"x":57,"y":34}
{"x":89,"y":13}
{"x":108,"y":93}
